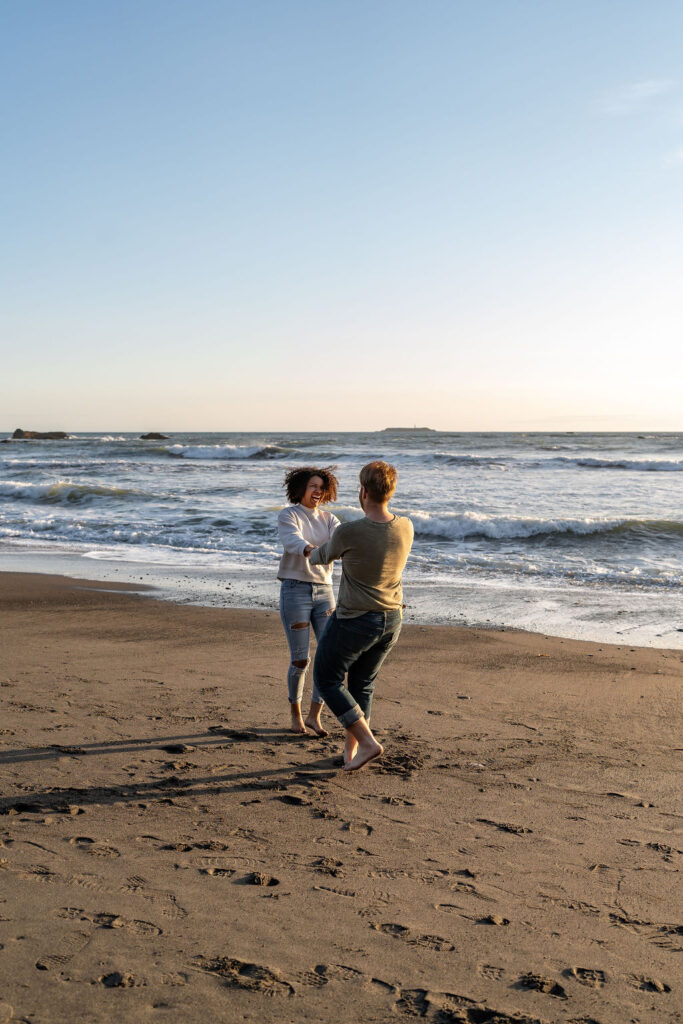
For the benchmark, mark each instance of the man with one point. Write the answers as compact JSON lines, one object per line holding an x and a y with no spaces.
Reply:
{"x":367,"y":621}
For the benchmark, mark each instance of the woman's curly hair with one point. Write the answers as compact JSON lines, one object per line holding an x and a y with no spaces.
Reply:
{"x":296,"y":482}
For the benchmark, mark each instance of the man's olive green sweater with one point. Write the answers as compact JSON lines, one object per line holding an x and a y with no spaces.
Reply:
{"x":373,"y":557}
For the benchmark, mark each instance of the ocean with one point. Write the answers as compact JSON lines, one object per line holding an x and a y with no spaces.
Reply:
{"x":576,"y":535}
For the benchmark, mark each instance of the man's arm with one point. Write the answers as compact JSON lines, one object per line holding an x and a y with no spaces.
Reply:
{"x":331,"y":549}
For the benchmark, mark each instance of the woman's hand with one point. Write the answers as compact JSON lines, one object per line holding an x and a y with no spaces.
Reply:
{"x":307,"y":550}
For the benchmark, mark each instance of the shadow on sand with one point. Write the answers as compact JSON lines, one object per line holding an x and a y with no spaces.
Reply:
{"x":167,"y":788}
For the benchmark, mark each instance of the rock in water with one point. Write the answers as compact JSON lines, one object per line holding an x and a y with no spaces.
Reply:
{"x":154,"y":437}
{"x":37,"y":435}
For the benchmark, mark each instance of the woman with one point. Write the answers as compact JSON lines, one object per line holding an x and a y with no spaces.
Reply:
{"x":306,"y":595}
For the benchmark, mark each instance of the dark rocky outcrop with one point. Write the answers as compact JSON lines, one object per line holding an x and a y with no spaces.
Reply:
{"x":154,"y":437}
{"x":37,"y":435}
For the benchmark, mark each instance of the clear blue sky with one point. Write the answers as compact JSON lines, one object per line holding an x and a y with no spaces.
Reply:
{"x":341,"y":214}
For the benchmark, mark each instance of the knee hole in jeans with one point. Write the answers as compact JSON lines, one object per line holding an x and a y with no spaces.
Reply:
{"x":299,"y":625}
{"x":301,"y":664}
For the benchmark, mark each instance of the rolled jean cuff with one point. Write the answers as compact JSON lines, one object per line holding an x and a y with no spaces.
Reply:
{"x":354,"y":714}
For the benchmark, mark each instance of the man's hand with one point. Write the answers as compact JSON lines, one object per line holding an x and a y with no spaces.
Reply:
{"x":308,"y":549}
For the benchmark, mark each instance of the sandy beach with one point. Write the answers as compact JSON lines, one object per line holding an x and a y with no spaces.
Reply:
{"x":170,"y":852}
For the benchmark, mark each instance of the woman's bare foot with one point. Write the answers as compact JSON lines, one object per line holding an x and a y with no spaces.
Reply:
{"x":367,"y":747}
{"x":313,"y":720}
{"x":298,"y":725}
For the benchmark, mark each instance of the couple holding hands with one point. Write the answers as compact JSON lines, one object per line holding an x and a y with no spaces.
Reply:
{"x":355,"y":637}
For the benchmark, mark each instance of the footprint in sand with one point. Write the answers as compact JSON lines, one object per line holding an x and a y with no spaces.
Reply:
{"x":666,"y":936}
{"x":645,"y":984}
{"x":115,"y":979}
{"x":414,"y":1002}
{"x":179,"y":766}
{"x":400,"y":763}
{"x":338,"y":972}
{"x":35,"y":873}
{"x":539,"y":983}
{"x":219,"y":861}
{"x":592,"y":977}
{"x":349,"y":894}
{"x":377,"y":906}
{"x":218,"y":872}
{"x":259,"y":878}
{"x":491,"y":971}
{"x":245,"y":833}
{"x":94,"y":848}
{"x":175,"y":978}
{"x":447,"y":1006}
{"x":351,"y":975}
{"x":399,"y":931}
{"x":165,"y":902}
{"x":328,"y":866}
{"x":358,"y":826}
{"x":87,"y":881}
{"x":467,"y":889}
{"x":245,"y":975}
{"x":114,"y":921}
{"x":68,"y":948}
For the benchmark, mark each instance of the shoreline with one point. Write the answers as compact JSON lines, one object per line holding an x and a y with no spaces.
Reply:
{"x":540,"y":610}
{"x":153,"y":592}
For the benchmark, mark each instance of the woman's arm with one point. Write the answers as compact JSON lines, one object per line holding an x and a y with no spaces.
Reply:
{"x":289,"y":529}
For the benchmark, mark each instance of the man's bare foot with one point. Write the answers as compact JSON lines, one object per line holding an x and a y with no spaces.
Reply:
{"x":350,"y":748}
{"x":298,"y":725}
{"x":368,"y":750}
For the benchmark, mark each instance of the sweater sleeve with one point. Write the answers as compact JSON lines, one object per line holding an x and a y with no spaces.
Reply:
{"x":331,"y":549}
{"x":289,"y":529}
{"x":334,"y":523}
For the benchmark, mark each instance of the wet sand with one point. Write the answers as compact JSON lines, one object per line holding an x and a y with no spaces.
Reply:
{"x":169,"y":851}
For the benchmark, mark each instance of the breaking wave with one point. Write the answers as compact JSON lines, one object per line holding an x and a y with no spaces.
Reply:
{"x":65,"y":492}
{"x":459,"y":526}
{"x":226,"y":451}
{"x":639,"y":465}
{"x":561,"y":462}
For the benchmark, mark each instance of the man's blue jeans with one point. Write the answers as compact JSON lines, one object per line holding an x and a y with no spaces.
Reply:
{"x":358,"y":647}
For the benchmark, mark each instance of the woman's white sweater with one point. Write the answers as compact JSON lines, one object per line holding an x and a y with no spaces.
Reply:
{"x":300,"y":527}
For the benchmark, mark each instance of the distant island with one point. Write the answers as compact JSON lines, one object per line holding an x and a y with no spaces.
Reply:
{"x":408,"y":430}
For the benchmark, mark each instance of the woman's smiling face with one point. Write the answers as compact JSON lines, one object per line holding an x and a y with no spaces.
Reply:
{"x":315,"y":488}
